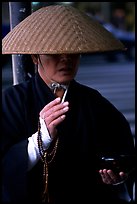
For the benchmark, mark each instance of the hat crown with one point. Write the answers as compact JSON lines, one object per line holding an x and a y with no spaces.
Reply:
{"x":58,"y":29}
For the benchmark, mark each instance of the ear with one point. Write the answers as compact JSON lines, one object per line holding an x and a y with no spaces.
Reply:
{"x":35,"y":59}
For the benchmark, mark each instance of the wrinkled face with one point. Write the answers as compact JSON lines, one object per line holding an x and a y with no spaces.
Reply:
{"x":61,"y":68}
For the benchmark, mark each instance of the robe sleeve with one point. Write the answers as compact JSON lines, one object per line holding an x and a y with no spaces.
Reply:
{"x":14,"y":167}
{"x":14,"y":146}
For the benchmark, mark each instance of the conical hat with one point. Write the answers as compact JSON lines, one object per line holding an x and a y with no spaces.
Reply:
{"x":59,"y":29}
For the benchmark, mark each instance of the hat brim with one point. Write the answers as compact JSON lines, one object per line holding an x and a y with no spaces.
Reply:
{"x":59,"y":29}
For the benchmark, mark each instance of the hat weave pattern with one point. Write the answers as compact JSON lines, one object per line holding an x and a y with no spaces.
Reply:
{"x":59,"y":29}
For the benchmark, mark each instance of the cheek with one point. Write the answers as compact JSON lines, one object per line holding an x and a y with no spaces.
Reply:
{"x":51,"y":63}
{"x":49,"y":66}
{"x":51,"y":70}
{"x":76,"y":65}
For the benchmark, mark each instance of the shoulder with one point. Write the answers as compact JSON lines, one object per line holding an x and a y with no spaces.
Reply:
{"x":93,"y":98}
{"x":86,"y":90}
{"x":89,"y":94}
{"x":19,"y":90}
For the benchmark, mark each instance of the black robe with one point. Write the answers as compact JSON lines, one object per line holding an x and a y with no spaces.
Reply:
{"x":93,"y":127}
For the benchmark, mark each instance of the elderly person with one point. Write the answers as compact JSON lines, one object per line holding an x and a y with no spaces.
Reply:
{"x":55,"y":130}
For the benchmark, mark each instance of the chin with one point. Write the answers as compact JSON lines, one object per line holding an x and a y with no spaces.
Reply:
{"x":64,"y":80}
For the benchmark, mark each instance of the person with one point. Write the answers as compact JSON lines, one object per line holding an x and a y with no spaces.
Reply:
{"x":57,"y":131}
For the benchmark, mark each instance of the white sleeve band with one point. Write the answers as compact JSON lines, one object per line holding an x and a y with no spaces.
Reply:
{"x":33,"y":150}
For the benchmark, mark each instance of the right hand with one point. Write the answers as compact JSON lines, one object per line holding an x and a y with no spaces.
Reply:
{"x":109,"y":177}
{"x":53,"y":114}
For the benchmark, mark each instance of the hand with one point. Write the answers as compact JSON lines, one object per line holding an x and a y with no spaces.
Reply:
{"x":53,"y":114}
{"x":109,"y":177}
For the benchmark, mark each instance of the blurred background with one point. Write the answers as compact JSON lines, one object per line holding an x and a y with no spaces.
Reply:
{"x":113,"y":73}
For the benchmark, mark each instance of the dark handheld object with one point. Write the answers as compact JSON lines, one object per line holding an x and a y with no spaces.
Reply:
{"x":125,"y":163}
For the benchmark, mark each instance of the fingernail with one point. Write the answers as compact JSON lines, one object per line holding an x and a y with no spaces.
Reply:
{"x":58,"y":99}
{"x":65,"y":103}
{"x":66,"y":108}
{"x":62,"y":116}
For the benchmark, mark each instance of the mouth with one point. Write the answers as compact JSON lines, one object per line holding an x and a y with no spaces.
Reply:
{"x":65,"y":69}
{"x":66,"y":66}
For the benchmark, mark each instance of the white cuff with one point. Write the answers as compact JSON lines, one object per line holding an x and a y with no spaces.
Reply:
{"x":33,"y":150}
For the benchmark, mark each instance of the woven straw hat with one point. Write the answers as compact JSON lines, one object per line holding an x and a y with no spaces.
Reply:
{"x":59,"y":29}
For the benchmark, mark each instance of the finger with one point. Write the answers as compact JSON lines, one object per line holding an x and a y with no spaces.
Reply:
{"x":55,"y":109}
{"x":123,"y":175}
{"x":50,"y":105}
{"x":113,"y":176}
{"x":100,"y":172}
{"x":56,"y":122}
{"x":56,"y":115}
{"x":105,"y":177}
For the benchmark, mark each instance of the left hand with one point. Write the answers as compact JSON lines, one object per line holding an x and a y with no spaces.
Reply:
{"x":53,"y":114}
{"x":109,"y":177}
